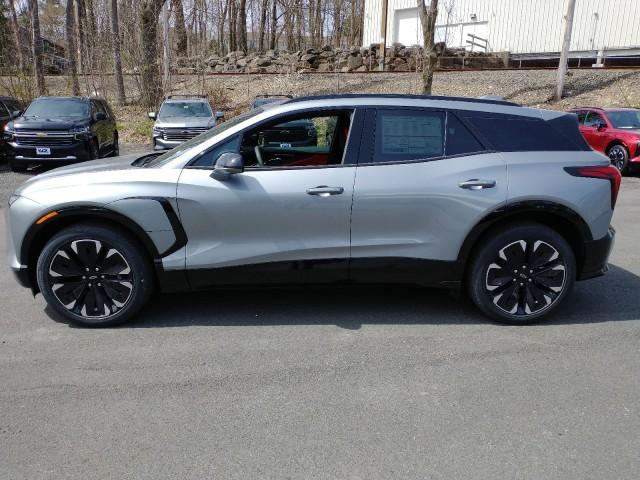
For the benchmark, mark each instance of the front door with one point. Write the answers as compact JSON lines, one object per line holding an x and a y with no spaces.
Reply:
{"x":417,"y":196}
{"x":286,"y":218}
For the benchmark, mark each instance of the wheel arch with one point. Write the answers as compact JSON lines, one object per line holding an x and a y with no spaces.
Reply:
{"x":560,"y":218}
{"x":37,"y":236}
{"x":616,"y":141}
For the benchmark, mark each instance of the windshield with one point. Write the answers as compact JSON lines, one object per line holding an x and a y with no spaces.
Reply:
{"x":58,"y":107}
{"x":625,"y":118}
{"x":176,"y":152}
{"x":185,"y":109}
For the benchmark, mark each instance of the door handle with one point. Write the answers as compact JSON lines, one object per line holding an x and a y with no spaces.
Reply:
{"x":475,"y":184}
{"x":324,"y":191}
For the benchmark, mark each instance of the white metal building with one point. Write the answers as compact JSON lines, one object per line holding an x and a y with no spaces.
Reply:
{"x":516,"y":26}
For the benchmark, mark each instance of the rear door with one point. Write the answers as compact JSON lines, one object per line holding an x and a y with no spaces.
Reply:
{"x":285,"y":219}
{"x":595,"y":137}
{"x":422,"y":185}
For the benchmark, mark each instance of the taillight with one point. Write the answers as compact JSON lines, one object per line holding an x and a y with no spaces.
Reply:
{"x":609,"y":172}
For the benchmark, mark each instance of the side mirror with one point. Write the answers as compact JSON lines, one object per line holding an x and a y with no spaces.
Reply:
{"x":228,"y":164}
{"x":602,"y":126}
{"x":101,"y":116}
{"x":219,"y":116}
{"x":151,"y":115}
{"x":15,"y":114}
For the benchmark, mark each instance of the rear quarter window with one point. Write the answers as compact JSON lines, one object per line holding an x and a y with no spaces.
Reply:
{"x":513,"y":133}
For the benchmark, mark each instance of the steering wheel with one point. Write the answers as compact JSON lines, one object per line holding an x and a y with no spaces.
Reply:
{"x":258,"y":153}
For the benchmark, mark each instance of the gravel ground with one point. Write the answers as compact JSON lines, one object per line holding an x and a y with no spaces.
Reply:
{"x":328,"y":383}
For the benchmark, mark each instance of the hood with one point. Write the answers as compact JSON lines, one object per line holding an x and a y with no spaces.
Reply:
{"x":104,"y":165}
{"x":181,"y":122}
{"x":39,"y":123}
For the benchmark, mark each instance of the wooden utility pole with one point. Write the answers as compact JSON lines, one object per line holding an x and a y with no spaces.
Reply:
{"x":564,"y":54}
{"x":383,"y":32}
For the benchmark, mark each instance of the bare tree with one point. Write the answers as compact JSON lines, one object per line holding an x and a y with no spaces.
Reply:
{"x":428,"y":16}
{"x":242,"y":25}
{"x":36,"y":47}
{"x":70,"y":32}
{"x":180,"y":28}
{"x":264,"y":6}
{"x":117,"y":57}
{"x":16,"y":34}
{"x":151,"y":84}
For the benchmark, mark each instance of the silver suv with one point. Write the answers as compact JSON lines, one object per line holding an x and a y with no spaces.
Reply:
{"x":505,"y":202}
{"x":180,"y":118}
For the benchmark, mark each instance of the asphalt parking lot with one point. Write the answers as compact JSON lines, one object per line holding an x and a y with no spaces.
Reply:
{"x":327,"y":383}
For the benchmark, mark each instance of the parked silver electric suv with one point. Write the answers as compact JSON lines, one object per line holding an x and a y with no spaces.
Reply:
{"x":506,"y":202}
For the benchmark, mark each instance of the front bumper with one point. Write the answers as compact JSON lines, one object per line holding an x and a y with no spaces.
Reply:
{"x":596,"y":256}
{"x":160,"y":144}
{"x":60,"y":154}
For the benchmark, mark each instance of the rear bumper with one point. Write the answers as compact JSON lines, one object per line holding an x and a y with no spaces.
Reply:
{"x":596,"y":256}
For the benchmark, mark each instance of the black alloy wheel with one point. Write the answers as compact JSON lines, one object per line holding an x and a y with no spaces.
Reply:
{"x":619,"y":157}
{"x":94,"y":275}
{"x":521,"y":273}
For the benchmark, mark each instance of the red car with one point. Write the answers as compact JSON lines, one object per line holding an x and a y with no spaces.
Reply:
{"x":614,"y":132}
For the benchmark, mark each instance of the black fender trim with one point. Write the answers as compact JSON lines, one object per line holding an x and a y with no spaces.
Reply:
{"x":523,"y":211}
{"x":67,"y":215}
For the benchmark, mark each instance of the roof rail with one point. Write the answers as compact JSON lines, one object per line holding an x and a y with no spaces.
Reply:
{"x":274,"y":96}
{"x":400,"y":95}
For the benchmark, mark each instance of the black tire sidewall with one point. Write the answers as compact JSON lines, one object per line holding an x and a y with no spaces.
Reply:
{"x":143,"y":277}
{"x":488,"y":251}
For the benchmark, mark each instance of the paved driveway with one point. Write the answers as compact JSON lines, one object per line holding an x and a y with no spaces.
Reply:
{"x":327,"y":383}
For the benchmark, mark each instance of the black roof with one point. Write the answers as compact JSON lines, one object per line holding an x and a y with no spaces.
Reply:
{"x":400,"y":95}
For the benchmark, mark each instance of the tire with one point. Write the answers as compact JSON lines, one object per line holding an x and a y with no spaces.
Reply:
{"x":100,"y":264}
{"x":17,"y":167}
{"x":116,"y":147}
{"x":521,"y":273}
{"x":619,"y":157}
{"x":94,"y":151}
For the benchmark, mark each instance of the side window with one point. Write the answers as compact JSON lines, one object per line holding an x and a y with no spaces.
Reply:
{"x":459,"y":140}
{"x":298,"y":141}
{"x":515,"y":133}
{"x":209,"y":158}
{"x":408,"y":135}
{"x":4,"y":112}
{"x":582,"y":115}
{"x":593,"y":120}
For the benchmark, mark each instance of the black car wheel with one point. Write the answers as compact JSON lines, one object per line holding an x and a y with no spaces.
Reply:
{"x":522,"y":273}
{"x":17,"y":167}
{"x":116,"y":147}
{"x":94,"y":151}
{"x":619,"y":157}
{"x":94,"y":276}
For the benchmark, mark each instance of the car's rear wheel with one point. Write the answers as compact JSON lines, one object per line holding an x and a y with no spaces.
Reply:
{"x":619,"y":157}
{"x":93,"y":275}
{"x":522,"y":273}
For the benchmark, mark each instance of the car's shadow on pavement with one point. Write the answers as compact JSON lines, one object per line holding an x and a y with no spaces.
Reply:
{"x":614,"y":297}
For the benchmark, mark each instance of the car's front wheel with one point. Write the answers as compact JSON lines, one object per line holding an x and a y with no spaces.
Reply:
{"x":93,"y":275}
{"x":619,"y":157}
{"x":521,"y":273}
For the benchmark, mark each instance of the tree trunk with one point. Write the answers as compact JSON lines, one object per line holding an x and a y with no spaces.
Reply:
{"x":233,"y":46}
{"x":151,"y":84}
{"x":274,"y":25}
{"x":241,"y":27}
{"x":92,"y":35}
{"x":16,"y":34}
{"x":70,"y":32}
{"x":36,"y":47}
{"x":428,"y":18}
{"x":180,"y":28}
{"x":117,"y":57}
{"x":81,"y":26}
{"x":264,"y":5}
